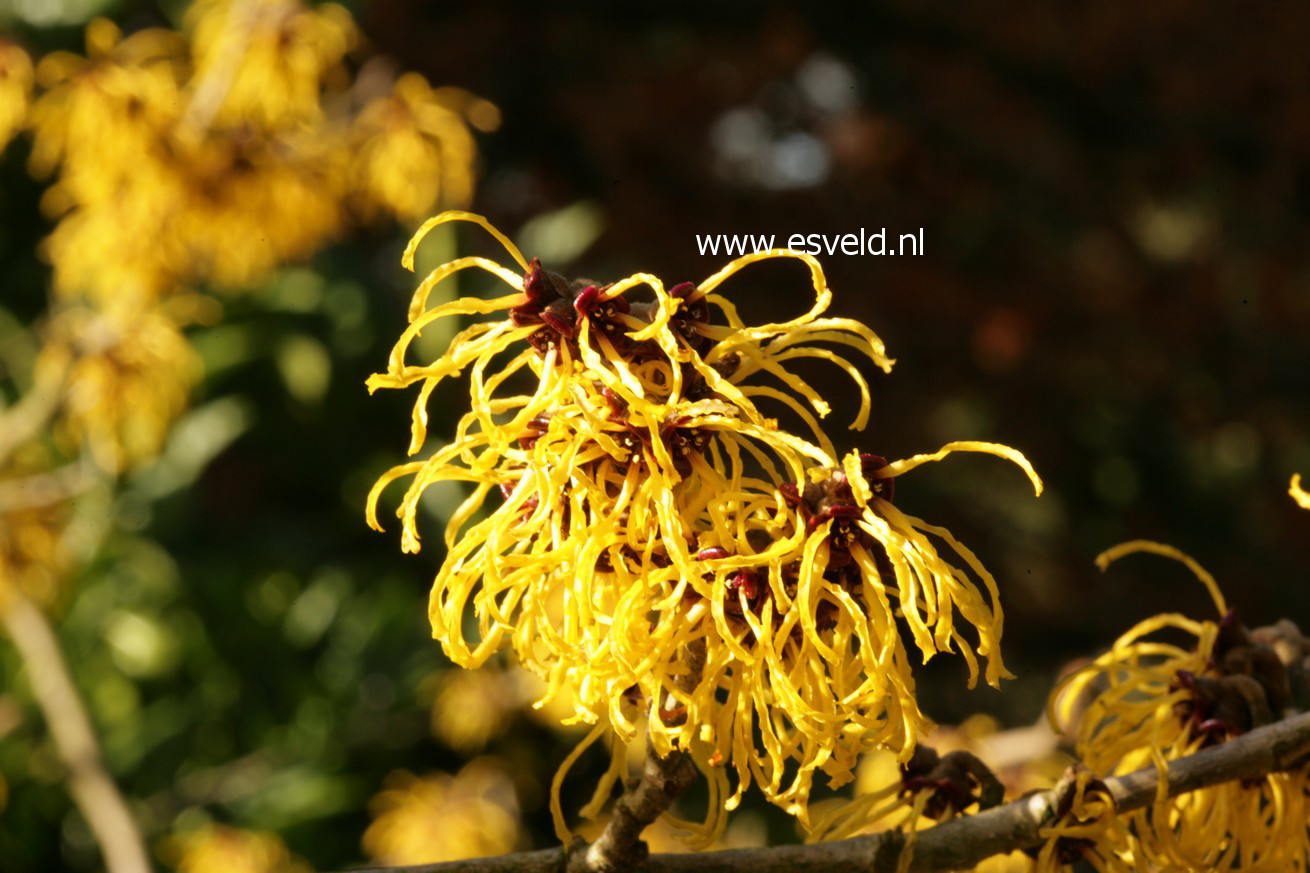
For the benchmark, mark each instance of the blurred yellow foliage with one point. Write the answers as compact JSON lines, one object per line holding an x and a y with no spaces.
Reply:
{"x":211,"y":155}
{"x":472,"y":707}
{"x":440,"y":817}
{"x":412,"y":147}
{"x":31,"y":553}
{"x":263,"y":63}
{"x":15,"y":89}
{"x":219,"y":849}
{"x":30,"y":556}
{"x":128,"y":373}
{"x":216,"y":154}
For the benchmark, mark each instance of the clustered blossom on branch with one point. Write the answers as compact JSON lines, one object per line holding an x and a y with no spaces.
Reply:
{"x":207,"y":157}
{"x":202,"y":158}
{"x":664,"y":554}
{"x":1147,"y":702}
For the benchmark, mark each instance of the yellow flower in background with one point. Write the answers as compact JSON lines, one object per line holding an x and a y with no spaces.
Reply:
{"x":103,"y":115}
{"x":219,"y":849}
{"x":15,"y":89}
{"x":1014,"y":862}
{"x":665,"y":554}
{"x":32,"y":556}
{"x":31,"y":552}
{"x":128,"y":375}
{"x":150,"y":201}
{"x":1147,"y":702}
{"x":440,"y":817}
{"x":414,"y":149}
{"x":473,"y":707}
{"x":103,"y":123}
{"x":218,"y":154}
{"x":241,"y":207}
{"x":265,"y":62}
{"x":213,"y":156}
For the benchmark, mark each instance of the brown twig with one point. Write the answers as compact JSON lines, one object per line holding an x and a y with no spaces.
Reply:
{"x":962,"y":842}
{"x":662,"y":781}
{"x":95,"y":794}
{"x":620,"y":847}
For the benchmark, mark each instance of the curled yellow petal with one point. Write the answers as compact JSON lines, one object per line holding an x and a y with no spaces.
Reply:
{"x":459,"y":215}
{"x":1111,"y":555}
{"x":1301,"y":496}
{"x":897,"y":468}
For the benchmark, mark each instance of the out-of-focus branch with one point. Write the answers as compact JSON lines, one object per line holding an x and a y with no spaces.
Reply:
{"x":208,"y":93}
{"x":25,"y":419}
{"x":97,"y":797}
{"x":962,"y":842}
{"x":44,"y":489}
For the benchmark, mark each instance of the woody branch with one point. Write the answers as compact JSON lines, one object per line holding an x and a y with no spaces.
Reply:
{"x":97,"y":797}
{"x":956,"y":844}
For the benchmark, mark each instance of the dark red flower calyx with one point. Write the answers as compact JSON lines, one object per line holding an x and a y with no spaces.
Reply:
{"x":830,"y":499}
{"x":536,"y":427}
{"x":1249,"y":683}
{"x":881,"y":486}
{"x":957,"y":781}
{"x":745,"y":586}
{"x":560,"y":306}
{"x":690,"y":317}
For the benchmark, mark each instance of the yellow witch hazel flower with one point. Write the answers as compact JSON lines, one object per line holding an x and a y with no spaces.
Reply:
{"x":15,"y":89}
{"x":473,"y":814}
{"x":1147,"y":702}
{"x":664,"y":553}
{"x":128,"y":373}
{"x":218,"y":153}
{"x":32,"y":555}
{"x":263,"y":62}
{"x":413,"y":147}
{"x":219,"y":849}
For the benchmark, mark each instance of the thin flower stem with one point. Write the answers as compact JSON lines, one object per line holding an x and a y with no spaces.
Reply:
{"x":662,"y":781}
{"x":96,"y":795}
{"x":962,"y":842}
{"x":45,"y":489}
{"x":208,"y":93}
{"x":619,"y":848}
{"x":25,"y":419}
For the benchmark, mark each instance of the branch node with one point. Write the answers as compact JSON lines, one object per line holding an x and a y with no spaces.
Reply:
{"x":887,"y":852}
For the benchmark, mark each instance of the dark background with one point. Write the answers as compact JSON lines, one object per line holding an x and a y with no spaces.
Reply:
{"x":1114,"y":198}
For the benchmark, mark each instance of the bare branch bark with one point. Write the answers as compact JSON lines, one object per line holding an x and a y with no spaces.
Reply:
{"x":962,"y":842}
{"x":95,"y":794}
{"x":662,"y":781}
{"x":620,"y":847}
